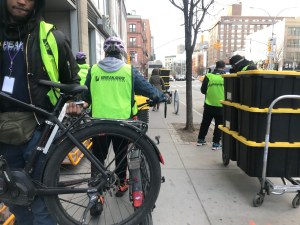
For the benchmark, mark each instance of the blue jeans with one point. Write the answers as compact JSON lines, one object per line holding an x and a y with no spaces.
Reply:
{"x":16,"y":157}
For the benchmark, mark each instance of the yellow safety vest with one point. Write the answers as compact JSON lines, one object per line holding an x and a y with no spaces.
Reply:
{"x":49,"y":53}
{"x":106,"y":103}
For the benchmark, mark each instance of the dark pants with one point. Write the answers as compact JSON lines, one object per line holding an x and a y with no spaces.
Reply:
{"x":16,"y":157}
{"x":210,"y":113}
{"x":100,"y":150}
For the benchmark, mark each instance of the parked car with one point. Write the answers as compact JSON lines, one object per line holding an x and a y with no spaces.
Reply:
{"x":171,"y":78}
{"x":180,"y":77}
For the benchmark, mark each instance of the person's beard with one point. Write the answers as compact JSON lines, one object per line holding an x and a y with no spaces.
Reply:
{"x":21,"y":19}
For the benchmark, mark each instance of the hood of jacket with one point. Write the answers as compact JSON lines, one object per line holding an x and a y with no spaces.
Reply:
{"x":111,"y":64}
{"x":8,"y":29}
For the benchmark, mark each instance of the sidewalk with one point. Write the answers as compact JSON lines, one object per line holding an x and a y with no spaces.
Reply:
{"x":199,"y":190}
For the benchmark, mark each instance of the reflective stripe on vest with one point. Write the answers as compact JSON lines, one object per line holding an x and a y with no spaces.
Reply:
{"x":106,"y":102}
{"x":215,"y":90}
{"x":49,"y":53}
{"x":84,"y":69}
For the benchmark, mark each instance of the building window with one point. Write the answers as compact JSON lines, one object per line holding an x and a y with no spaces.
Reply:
{"x":132,"y":28}
{"x":295,"y":31}
{"x":132,"y":41}
{"x":293,"y":43}
{"x":133,"y":56}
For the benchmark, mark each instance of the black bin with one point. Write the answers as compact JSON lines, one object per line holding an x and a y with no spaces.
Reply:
{"x":282,"y":161}
{"x":165,"y":75}
{"x":229,"y":146}
{"x":284,"y":125}
{"x":259,"y":88}
{"x":230,"y":116}
{"x":232,"y":87}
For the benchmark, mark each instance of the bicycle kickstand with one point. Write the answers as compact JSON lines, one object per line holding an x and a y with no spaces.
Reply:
{"x":157,"y":139}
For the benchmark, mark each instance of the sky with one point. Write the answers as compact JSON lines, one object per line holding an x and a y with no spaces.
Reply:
{"x":166,"y":21}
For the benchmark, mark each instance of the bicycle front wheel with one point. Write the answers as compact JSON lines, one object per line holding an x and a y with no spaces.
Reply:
{"x":176,"y":102}
{"x":116,"y":208}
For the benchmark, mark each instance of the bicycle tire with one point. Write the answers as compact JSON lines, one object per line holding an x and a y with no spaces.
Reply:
{"x":176,"y":102}
{"x":68,"y":208}
{"x":147,"y":220}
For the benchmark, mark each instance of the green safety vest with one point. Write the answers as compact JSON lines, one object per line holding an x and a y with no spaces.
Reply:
{"x":84,"y":69}
{"x":106,"y":102}
{"x":245,"y":68}
{"x":215,"y":90}
{"x":49,"y":53}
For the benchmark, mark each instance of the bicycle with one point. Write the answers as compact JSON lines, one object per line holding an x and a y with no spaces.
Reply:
{"x":176,"y":102}
{"x":70,"y":192}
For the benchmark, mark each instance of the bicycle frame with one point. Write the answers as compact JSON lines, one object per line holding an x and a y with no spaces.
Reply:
{"x":19,"y":188}
{"x":50,"y":120}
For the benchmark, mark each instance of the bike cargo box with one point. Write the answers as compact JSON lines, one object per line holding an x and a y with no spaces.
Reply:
{"x":232,"y":87}
{"x":258,"y":88}
{"x":165,"y":75}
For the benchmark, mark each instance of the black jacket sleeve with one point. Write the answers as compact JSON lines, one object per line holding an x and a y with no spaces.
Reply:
{"x":87,"y":94}
{"x":204,"y":85}
{"x":68,"y":68}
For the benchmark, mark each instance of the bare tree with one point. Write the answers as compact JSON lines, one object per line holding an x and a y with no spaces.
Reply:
{"x":194,"y":12}
{"x":278,"y":57}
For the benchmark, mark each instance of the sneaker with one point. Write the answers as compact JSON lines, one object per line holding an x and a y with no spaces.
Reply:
{"x":122,"y":189}
{"x":97,"y":209}
{"x":216,"y":146}
{"x":201,"y":142}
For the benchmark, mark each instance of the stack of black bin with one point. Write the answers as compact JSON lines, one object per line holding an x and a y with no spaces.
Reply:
{"x":230,"y":113}
{"x":245,"y":120}
{"x":165,"y":75}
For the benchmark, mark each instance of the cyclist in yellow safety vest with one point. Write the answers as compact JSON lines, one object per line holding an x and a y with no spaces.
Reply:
{"x":84,"y":67}
{"x":112,"y":84}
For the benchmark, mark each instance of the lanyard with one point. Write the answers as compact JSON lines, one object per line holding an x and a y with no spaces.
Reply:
{"x":12,"y":58}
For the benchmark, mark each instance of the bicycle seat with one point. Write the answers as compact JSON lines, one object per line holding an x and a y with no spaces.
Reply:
{"x":64,"y":88}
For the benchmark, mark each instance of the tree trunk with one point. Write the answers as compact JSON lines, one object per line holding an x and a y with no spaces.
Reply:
{"x":189,"y":93}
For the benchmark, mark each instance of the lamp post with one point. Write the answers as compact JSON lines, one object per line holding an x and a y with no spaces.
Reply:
{"x":272,"y":41}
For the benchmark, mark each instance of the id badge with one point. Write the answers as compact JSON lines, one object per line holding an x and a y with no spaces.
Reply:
{"x":8,"y":84}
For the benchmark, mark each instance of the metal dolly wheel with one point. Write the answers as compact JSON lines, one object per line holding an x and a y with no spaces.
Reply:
{"x":267,"y":187}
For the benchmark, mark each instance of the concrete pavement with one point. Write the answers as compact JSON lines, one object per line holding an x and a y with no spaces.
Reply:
{"x":199,"y":190}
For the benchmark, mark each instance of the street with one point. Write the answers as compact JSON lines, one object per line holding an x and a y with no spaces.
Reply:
{"x":198,"y":98}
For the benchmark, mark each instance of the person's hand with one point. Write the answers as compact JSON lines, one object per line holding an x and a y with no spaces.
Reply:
{"x":75,"y":108}
{"x":167,"y":97}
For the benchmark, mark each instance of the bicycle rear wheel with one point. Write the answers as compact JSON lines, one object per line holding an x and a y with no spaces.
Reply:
{"x":69,"y":208}
{"x":176,"y":102}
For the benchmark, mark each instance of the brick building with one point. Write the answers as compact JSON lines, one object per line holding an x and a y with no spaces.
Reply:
{"x":138,"y":41}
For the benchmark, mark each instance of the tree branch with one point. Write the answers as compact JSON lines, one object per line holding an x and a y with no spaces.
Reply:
{"x":176,"y":5}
